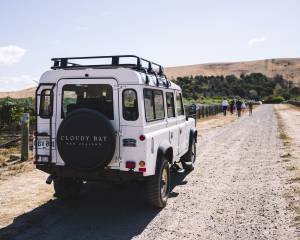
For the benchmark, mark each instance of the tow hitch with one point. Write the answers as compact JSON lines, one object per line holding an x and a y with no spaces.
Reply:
{"x":49,"y":179}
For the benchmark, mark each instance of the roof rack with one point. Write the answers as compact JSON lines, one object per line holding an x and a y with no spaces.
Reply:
{"x":64,"y":63}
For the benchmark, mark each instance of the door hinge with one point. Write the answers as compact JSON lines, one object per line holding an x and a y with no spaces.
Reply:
{"x":119,"y":133}
{"x":119,"y":87}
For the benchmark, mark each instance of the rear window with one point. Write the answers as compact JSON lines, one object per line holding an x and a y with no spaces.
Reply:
{"x":45,"y":104}
{"x":130,"y":105}
{"x":170,"y":104}
{"x":98,"y":97}
{"x":154,"y":105}
{"x":179,"y":104}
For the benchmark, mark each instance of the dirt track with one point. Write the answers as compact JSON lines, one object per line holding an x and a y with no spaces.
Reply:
{"x":235,"y":192}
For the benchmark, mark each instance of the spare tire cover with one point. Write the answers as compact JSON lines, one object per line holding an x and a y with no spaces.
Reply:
{"x":86,"y":140}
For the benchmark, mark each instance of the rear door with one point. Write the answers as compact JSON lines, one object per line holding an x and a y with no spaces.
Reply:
{"x":172,"y":121}
{"x":183,"y":137}
{"x":45,"y":125}
{"x":97,"y":94}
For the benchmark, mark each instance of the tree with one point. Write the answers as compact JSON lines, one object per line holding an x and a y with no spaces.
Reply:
{"x":253,"y":94}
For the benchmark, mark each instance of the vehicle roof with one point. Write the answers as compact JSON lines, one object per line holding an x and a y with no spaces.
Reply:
{"x":122,"y":75}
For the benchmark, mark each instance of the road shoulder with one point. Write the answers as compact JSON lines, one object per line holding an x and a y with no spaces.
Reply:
{"x":288,"y":117}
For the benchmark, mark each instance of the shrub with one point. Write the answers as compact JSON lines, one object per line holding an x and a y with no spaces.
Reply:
{"x":274,"y":99}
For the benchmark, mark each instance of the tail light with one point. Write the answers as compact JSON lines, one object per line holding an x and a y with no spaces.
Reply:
{"x":130,"y":165}
{"x":142,"y":137}
{"x":142,"y":163}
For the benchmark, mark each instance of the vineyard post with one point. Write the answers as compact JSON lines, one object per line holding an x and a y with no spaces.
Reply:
{"x":25,"y":137}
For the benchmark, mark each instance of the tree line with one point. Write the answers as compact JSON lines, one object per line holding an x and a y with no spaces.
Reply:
{"x":11,"y":111}
{"x":254,"y":86}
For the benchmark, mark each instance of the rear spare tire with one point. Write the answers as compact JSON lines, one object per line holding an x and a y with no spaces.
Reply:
{"x":86,"y":140}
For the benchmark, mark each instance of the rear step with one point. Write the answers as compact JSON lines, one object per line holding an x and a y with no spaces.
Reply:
{"x":188,"y":163}
{"x":177,"y":168}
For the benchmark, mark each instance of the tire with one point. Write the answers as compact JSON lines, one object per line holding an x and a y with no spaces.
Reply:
{"x":189,"y":159}
{"x":158,"y":186}
{"x":86,"y":140}
{"x":66,"y":188}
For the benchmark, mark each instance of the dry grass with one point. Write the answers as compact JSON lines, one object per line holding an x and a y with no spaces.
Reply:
{"x":11,"y":164}
{"x":216,"y":121}
{"x":19,"y":94}
{"x":288,"y":68}
{"x":286,"y":140}
{"x":5,"y":153}
{"x":293,"y":191}
{"x":291,"y":168}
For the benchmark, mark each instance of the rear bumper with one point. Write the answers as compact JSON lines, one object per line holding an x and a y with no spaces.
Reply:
{"x":92,"y":175}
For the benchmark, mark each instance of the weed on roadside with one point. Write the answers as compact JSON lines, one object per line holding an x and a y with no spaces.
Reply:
{"x":292,"y":194}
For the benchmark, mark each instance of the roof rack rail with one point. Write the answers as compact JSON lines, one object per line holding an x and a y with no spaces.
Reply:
{"x":64,"y":63}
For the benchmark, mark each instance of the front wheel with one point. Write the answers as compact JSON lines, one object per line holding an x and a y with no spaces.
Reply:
{"x":158,"y":186}
{"x":189,"y":159}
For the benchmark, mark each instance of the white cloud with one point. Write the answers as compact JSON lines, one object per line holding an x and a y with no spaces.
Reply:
{"x":8,"y":84}
{"x":254,"y":41}
{"x":11,"y":54}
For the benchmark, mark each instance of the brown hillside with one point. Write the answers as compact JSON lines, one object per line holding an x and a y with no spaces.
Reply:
{"x":289,"y":68}
{"x":19,"y":94}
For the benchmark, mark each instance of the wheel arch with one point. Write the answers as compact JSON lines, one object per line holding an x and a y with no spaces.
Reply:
{"x":165,"y":150}
{"x":193,"y":135}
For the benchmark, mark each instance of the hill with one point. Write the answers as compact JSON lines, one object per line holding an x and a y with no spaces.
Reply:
{"x":19,"y":94}
{"x":289,"y":68}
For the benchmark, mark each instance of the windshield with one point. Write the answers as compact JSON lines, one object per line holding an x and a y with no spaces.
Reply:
{"x":98,"y":97}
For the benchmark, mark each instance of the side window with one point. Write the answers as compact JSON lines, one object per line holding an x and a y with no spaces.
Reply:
{"x":130,"y":105}
{"x":179,"y":104}
{"x":45,"y":104}
{"x":159,"y":104}
{"x":149,"y":106}
{"x":170,"y":104}
{"x":154,"y":104}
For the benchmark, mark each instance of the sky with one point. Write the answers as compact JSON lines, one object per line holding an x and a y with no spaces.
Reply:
{"x":169,"y":32}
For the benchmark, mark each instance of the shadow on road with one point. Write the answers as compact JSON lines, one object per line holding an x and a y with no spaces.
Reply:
{"x":103,"y":211}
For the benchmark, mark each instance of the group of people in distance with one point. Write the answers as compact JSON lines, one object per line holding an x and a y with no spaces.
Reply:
{"x":239,"y":105}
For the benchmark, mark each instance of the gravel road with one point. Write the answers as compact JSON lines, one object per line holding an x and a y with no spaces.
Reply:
{"x":235,"y":192}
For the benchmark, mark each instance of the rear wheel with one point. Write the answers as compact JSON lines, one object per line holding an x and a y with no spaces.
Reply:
{"x":67,"y":188}
{"x":158,"y":186}
{"x":189,"y":159}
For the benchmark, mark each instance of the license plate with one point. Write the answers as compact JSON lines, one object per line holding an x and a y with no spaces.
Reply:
{"x":44,"y":143}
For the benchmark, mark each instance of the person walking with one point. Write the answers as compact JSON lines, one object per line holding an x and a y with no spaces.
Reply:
{"x":234,"y":105}
{"x":250,"y":106}
{"x":231,"y":106}
{"x":238,"y":107}
{"x":243,"y":107}
{"x":224,"y":106}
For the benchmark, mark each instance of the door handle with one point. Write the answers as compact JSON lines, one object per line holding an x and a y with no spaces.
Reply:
{"x":180,"y":131}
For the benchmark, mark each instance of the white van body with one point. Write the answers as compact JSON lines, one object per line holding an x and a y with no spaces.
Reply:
{"x":138,"y":139}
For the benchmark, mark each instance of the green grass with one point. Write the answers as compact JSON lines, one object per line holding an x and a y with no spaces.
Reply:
{"x":204,"y":101}
{"x":296,"y":98}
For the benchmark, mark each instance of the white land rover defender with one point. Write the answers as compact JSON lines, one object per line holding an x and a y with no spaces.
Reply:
{"x":120,"y":119}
